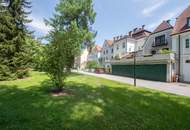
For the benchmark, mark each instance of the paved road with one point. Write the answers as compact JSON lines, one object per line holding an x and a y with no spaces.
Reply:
{"x":175,"y":88}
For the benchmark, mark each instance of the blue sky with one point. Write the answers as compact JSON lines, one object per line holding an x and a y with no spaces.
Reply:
{"x":114,"y":17}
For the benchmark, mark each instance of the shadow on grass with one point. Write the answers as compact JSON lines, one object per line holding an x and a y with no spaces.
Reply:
{"x":100,"y":108}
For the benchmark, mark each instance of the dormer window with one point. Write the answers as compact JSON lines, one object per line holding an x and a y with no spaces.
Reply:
{"x":188,"y":22}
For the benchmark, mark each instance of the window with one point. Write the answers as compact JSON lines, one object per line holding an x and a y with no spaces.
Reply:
{"x":130,"y":49}
{"x":117,"y":47}
{"x":124,"y":45}
{"x":106,"y":51}
{"x":187,"y":61}
{"x":112,"y":50}
{"x":160,"y":40}
{"x":187,"y":43}
{"x":188,"y":22}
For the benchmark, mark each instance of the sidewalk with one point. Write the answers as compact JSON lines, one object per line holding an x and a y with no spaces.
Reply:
{"x":174,"y":88}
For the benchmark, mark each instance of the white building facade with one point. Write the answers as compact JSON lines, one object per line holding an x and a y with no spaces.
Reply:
{"x":181,"y":45}
{"x":122,"y":46}
{"x":107,"y":53}
{"x":95,"y":54}
{"x":81,"y":60}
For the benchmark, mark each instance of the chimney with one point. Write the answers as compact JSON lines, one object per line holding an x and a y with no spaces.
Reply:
{"x":168,"y":21}
{"x":135,"y":29}
{"x":130,"y":33}
{"x":143,"y":26}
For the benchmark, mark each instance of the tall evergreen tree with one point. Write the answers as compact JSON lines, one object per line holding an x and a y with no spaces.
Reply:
{"x":13,"y":55}
{"x":71,"y":26}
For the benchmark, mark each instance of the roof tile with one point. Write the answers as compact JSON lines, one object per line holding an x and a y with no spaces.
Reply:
{"x":163,"y":26}
{"x":181,"y":21}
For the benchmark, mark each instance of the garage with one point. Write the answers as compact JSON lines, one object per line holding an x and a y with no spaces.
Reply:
{"x":156,"y":72}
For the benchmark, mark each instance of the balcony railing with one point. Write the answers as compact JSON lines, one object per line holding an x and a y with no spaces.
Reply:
{"x":160,"y":44}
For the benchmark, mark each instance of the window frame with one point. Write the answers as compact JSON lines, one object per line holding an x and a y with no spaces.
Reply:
{"x":188,"y":22}
{"x":160,"y":40}
{"x":117,"y":47}
{"x":123,"y":45}
{"x":187,"y":44}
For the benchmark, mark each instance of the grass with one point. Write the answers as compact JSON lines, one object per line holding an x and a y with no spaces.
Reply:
{"x":96,"y":104}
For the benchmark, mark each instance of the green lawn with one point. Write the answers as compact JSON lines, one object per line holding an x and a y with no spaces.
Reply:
{"x":96,"y":104}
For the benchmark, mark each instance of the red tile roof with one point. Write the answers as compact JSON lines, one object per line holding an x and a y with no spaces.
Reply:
{"x":181,"y":22}
{"x":109,"y":42}
{"x":98,"y":48}
{"x":163,"y":26}
{"x":141,"y":34}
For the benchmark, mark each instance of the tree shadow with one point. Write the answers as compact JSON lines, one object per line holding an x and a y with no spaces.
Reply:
{"x":90,"y":108}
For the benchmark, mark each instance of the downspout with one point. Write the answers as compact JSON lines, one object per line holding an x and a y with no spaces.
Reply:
{"x":179,"y":59}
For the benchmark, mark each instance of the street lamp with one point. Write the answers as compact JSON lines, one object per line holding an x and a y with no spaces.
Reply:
{"x":135,"y":79}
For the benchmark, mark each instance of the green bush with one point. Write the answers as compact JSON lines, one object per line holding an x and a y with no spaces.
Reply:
{"x":164,"y":51}
{"x":92,"y":65}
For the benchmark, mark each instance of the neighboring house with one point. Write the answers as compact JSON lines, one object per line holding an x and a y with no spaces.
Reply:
{"x":95,"y":54}
{"x":107,"y":53}
{"x":181,"y":45}
{"x":151,"y":65}
{"x":140,"y":35}
{"x":81,"y":61}
{"x":134,"y":41}
{"x":122,"y":46}
{"x":159,"y":40}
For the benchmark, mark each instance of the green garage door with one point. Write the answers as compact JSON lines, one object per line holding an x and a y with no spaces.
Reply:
{"x":156,"y":72}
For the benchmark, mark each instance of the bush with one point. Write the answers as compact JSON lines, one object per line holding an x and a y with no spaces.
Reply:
{"x":92,"y":65}
{"x":164,"y":51}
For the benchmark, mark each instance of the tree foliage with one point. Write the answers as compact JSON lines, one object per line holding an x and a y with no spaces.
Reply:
{"x":36,"y":49}
{"x":71,"y":26}
{"x":13,"y":53}
{"x":92,"y":65}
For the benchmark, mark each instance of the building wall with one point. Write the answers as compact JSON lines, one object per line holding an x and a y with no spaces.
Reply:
{"x":106,"y":55}
{"x":185,"y":55}
{"x":147,"y":50}
{"x":80,"y":61}
{"x":124,"y":46}
{"x":83,"y":58}
{"x":139,"y":44}
{"x":94,"y":56}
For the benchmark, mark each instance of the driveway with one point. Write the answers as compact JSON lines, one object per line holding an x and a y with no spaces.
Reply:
{"x":174,"y":88}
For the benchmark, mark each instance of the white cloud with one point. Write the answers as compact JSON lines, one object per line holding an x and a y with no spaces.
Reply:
{"x":168,"y":16}
{"x":38,"y":24}
{"x":154,"y":5}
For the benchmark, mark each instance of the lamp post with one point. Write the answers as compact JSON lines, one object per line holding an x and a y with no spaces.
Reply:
{"x":134,"y":65}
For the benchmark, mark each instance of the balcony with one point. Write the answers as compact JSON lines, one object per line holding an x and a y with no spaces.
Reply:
{"x":155,"y":59}
{"x":165,"y":43}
